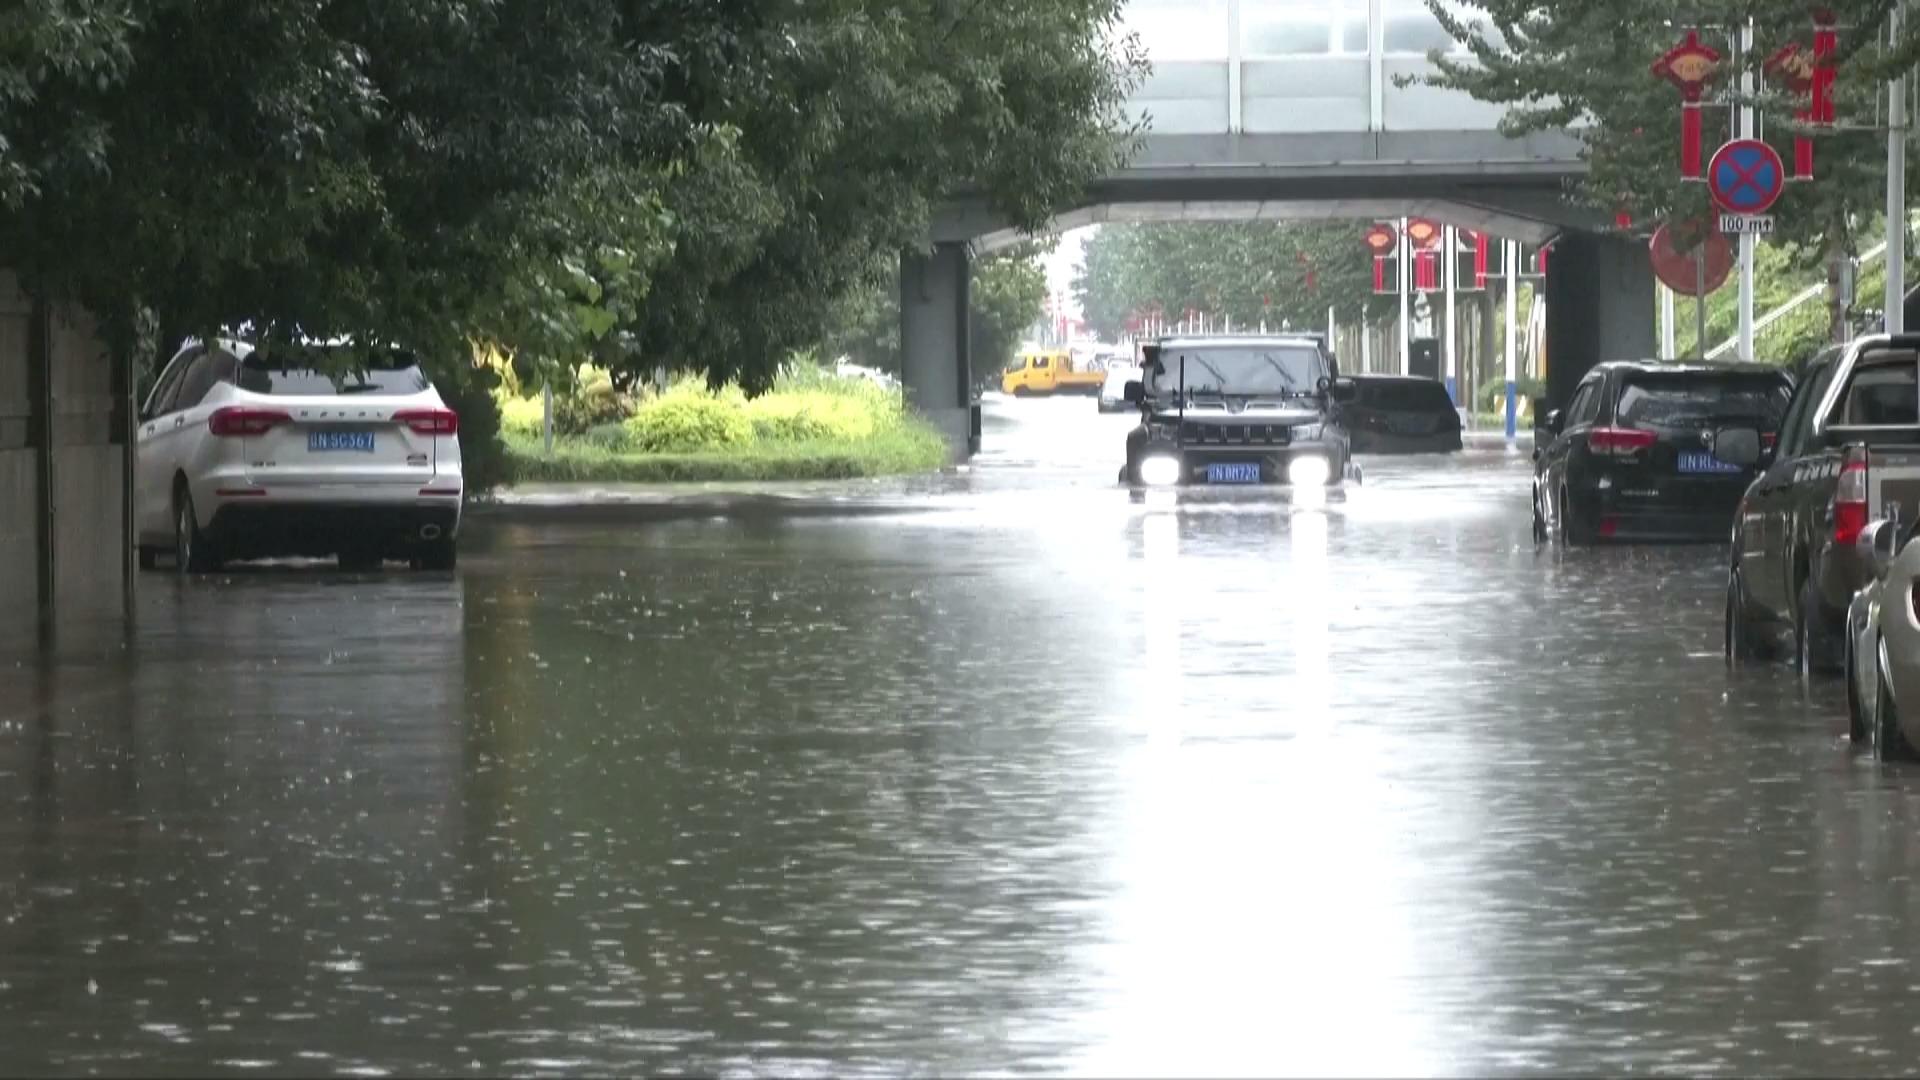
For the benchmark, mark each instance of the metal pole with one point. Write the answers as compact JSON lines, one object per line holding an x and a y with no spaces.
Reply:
{"x":1452,"y":257}
{"x":1744,"y":39}
{"x":1896,"y":298}
{"x":546,"y":415}
{"x":1406,"y":272}
{"x":1366,"y":340}
{"x":1512,"y":253}
{"x":1700,"y":301}
{"x":1666,"y":323}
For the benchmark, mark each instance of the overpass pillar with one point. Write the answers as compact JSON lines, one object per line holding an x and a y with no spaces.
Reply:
{"x":1600,"y":304}
{"x":933,"y":342}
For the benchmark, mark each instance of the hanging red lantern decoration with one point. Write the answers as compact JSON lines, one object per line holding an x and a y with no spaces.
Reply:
{"x":1826,"y":40}
{"x":1480,"y":260}
{"x":1794,"y":69}
{"x":1690,"y":66}
{"x":1424,"y":236}
{"x":1381,"y":239}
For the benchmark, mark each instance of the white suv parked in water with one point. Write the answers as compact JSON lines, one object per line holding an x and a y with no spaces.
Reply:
{"x":242,"y":457}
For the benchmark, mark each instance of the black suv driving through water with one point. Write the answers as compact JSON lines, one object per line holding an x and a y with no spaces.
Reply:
{"x":1239,"y":410}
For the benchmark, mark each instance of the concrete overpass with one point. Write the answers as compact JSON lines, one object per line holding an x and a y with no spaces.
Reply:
{"x":1275,"y":109}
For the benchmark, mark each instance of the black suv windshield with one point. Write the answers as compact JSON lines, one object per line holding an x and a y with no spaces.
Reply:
{"x":1241,"y":369}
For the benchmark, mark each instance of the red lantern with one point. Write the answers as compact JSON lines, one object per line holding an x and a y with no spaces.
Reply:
{"x":1381,"y":239}
{"x":1793,"y":68}
{"x":1690,"y":66}
{"x":1424,"y":236}
{"x":1479,"y":260}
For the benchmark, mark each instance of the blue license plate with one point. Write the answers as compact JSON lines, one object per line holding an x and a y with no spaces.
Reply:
{"x":1233,"y":474}
{"x":1700,"y":461}
{"x":323,"y":442}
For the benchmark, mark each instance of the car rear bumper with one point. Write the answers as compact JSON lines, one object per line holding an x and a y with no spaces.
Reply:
{"x":270,"y":529}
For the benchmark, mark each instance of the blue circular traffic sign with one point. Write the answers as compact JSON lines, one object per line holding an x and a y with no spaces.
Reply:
{"x":1745,"y":176}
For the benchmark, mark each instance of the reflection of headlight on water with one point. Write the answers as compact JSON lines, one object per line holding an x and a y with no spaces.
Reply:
{"x":1160,"y":470}
{"x":1308,"y":471}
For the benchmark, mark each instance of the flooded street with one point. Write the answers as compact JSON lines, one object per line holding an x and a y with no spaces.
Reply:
{"x":1006,"y":771}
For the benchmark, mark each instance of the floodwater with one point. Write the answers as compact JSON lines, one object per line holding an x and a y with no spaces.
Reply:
{"x":1017,"y":774}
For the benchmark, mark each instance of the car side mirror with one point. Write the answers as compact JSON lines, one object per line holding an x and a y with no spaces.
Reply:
{"x":1876,"y":544}
{"x":1134,"y":392}
{"x":1343,"y":390}
{"x":1555,"y":421}
{"x":1737,"y":445}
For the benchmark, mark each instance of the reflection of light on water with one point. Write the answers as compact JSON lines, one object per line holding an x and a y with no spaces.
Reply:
{"x":1162,"y":606}
{"x":1312,"y":596}
{"x":1259,"y":923}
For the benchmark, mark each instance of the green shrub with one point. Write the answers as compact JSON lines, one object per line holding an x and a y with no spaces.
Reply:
{"x":521,"y":416}
{"x":800,"y":416}
{"x":614,"y":437}
{"x":591,"y":402}
{"x":688,"y":419}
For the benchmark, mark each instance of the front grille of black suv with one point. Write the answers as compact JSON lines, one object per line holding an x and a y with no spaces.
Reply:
{"x":1194,"y":434}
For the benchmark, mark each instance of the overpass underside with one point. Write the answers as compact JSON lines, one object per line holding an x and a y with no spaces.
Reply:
{"x":1600,"y":290}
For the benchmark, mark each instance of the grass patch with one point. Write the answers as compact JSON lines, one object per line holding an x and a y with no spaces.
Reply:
{"x":912,"y":447}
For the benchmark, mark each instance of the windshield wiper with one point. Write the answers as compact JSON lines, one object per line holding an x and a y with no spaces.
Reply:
{"x":1286,"y":375}
{"x":358,"y":388}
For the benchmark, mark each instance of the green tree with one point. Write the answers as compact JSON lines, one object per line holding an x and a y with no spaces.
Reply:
{"x":871,"y":114}
{"x":1584,"y":68}
{"x":1253,"y":271}
{"x":1009,"y":292}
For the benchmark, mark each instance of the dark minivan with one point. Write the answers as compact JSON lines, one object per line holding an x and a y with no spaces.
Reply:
{"x":1631,"y":456}
{"x":1401,"y":414}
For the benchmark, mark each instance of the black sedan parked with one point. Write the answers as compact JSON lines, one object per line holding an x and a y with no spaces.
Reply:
{"x":1631,"y":456}
{"x":1401,"y":414}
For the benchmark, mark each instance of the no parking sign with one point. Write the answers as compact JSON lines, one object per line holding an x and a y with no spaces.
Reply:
{"x":1745,"y":177}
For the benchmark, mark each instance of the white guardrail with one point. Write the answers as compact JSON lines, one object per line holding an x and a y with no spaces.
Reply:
{"x":1787,"y":308}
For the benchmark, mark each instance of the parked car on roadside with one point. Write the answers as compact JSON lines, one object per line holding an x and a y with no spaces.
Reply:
{"x":1113,"y":392}
{"x":1882,"y":662}
{"x":1632,"y":455}
{"x":1401,"y":414}
{"x":245,"y":455}
{"x":1848,"y":453}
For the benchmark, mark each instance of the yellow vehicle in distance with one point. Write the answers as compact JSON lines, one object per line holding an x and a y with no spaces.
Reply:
{"x":1050,"y":371}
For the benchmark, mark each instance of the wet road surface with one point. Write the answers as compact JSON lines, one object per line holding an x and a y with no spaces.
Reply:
{"x":1016,"y":775}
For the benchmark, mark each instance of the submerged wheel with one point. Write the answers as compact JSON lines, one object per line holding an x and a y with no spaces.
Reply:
{"x":193,"y":553}
{"x":1889,"y":744}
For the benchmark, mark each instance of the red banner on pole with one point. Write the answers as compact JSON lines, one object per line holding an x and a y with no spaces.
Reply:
{"x":1479,"y":260}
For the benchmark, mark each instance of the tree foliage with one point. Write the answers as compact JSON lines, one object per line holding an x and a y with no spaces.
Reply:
{"x":1008,"y":294}
{"x":1284,"y":271}
{"x":1585,"y":68}
{"x":633,"y":182}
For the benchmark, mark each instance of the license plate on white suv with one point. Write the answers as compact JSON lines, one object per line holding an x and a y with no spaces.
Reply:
{"x":326,"y":442}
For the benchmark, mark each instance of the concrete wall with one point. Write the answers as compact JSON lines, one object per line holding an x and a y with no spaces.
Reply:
{"x":63,"y":551}
{"x":934,"y":347}
{"x":1600,"y":306}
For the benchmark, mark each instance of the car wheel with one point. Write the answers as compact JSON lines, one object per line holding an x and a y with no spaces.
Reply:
{"x":1571,"y":526}
{"x":439,"y":555}
{"x":1812,"y":653}
{"x":193,"y":553}
{"x":1888,"y":742}
{"x":1856,"y":712}
{"x":1019,"y":391}
{"x":1539,"y":521}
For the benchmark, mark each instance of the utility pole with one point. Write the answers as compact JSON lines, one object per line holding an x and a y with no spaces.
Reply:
{"x":1896,"y":299}
{"x":1743,"y":37}
{"x":1666,"y":323}
{"x":1449,"y":270}
{"x":1406,"y":271}
{"x":1512,"y":253}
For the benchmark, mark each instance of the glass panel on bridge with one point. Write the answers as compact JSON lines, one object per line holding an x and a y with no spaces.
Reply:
{"x":1179,"y":29}
{"x":1275,"y":28}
